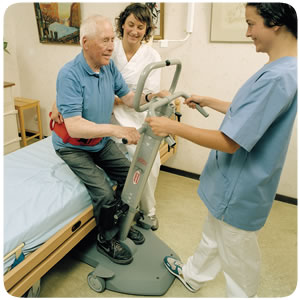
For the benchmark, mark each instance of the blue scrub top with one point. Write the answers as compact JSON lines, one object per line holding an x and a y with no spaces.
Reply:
{"x":239,"y":188}
{"x":82,"y":92}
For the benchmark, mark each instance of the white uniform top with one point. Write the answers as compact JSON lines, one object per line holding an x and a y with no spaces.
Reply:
{"x":131,"y":70}
{"x":126,"y":116}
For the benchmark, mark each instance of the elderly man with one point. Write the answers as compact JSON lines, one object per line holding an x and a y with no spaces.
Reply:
{"x":86,"y":87}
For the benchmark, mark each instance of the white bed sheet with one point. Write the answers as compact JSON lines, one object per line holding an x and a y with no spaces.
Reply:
{"x":41,"y":195}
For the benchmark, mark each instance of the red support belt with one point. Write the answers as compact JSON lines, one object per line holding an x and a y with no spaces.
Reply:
{"x":61,"y":131}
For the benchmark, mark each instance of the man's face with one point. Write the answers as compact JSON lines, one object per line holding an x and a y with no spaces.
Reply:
{"x":99,"y":48}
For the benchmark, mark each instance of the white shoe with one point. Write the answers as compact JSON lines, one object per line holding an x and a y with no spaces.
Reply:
{"x":174,"y":266}
{"x":154,"y":222}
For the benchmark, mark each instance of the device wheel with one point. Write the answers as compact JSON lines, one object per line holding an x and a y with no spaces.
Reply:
{"x":96,"y":283}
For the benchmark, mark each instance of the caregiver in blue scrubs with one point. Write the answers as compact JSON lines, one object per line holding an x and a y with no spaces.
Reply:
{"x":240,"y":178}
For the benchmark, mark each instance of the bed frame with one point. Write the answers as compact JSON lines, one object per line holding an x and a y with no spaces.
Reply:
{"x":21,"y":278}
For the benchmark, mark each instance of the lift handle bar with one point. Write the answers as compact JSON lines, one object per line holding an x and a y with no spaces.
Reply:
{"x":144,"y":75}
{"x":152,"y":106}
{"x":168,"y":99}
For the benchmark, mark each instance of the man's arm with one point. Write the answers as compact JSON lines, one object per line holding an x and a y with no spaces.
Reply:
{"x":79,"y":127}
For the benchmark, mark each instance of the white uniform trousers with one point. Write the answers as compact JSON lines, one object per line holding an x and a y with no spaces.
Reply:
{"x":227,"y":248}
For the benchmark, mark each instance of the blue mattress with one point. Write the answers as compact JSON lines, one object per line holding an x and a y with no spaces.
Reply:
{"x":41,"y":196}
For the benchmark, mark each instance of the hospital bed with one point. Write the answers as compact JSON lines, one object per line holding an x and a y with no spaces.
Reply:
{"x":47,"y":211}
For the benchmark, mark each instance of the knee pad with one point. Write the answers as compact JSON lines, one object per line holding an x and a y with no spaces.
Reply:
{"x":106,"y":218}
{"x":111,"y":213}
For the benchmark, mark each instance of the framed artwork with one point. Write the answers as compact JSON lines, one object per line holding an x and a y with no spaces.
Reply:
{"x":157,"y":10}
{"x":58,"y":22}
{"x":228,"y":23}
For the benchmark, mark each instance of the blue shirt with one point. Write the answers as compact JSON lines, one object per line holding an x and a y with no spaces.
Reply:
{"x":239,"y":188}
{"x":82,"y":92}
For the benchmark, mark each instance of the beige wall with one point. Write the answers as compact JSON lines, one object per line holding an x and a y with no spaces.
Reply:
{"x":215,"y":69}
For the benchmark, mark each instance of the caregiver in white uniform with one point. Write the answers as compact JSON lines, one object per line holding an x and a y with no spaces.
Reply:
{"x":134,"y":28}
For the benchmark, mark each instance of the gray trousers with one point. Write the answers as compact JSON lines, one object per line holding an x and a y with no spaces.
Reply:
{"x":91,"y":167}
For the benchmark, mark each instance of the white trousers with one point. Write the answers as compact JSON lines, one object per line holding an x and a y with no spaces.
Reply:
{"x":228,"y":249}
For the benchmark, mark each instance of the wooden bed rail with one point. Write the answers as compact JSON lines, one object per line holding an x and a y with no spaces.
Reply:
{"x":18,"y":280}
{"x":17,"y":251}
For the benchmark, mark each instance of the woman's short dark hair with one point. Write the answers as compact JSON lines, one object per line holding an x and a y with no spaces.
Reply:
{"x":140,"y":12}
{"x":277,"y":14}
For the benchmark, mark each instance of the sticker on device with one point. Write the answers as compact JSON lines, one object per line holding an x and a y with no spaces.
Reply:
{"x":136,"y":177}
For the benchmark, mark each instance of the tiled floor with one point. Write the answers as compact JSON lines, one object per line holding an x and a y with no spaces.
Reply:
{"x":181,"y":214}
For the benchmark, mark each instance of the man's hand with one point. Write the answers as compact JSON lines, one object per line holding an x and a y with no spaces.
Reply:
{"x":130,"y":134}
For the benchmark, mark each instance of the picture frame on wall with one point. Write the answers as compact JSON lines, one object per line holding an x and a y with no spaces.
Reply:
{"x":228,"y":23}
{"x":157,"y":10}
{"x":58,"y":22}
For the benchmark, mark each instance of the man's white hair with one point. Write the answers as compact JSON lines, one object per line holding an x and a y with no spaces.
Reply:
{"x":89,"y":27}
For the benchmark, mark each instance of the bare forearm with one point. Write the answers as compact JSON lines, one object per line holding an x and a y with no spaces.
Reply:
{"x":213,"y":139}
{"x":216,"y":104}
{"x":81,"y":128}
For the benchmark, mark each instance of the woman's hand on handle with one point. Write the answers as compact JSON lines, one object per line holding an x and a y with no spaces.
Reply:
{"x":216,"y":104}
{"x":195,"y":99}
{"x":161,"y":126}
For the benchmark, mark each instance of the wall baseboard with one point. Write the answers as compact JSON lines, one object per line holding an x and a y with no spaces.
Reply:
{"x":180,"y":172}
{"x":195,"y":176}
{"x":286,"y":199}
